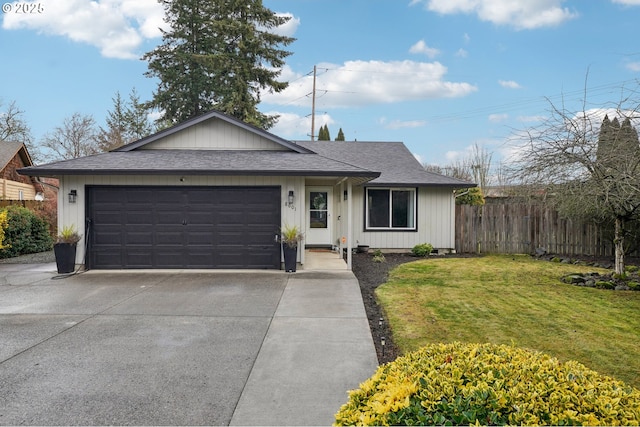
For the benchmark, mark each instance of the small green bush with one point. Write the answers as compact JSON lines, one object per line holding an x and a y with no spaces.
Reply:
{"x":25,"y":233}
{"x":422,"y":249}
{"x":378,"y":256}
{"x":462,"y":384}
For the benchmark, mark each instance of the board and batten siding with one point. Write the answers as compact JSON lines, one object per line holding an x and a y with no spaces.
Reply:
{"x":213,"y":135}
{"x":74,"y":213}
{"x":436,"y":221}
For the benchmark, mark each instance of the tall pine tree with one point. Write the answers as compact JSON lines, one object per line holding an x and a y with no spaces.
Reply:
{"x":323,"y":134}
{"x":217,"y":54}
{"x":340,"y":136}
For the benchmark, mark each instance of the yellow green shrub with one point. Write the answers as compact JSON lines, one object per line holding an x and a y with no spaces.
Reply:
{"x":4,"y":220}
{"x":462,"y":384}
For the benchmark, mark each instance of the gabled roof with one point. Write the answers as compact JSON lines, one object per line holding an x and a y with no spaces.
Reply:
{"x":202,"y":162}
{"x":381,"y":163}
{"x":9,"y":149}
{"x":209,"y":116}
{"x":397,"y":166}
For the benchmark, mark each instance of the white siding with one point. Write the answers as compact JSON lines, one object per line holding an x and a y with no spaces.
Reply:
{"x":213,"y":134}
{"x":74,"y":214}
{"x":436,"y":222}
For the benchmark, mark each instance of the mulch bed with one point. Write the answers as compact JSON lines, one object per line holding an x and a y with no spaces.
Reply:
{"x":371,"y":275}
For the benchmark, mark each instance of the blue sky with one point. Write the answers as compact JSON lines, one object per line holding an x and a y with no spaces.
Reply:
{"x":438,"y":75}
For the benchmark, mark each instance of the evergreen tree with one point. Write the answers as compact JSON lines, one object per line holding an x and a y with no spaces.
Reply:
{"x":137,"y":118}
{"x":217,"y":54}
{"x":340,"y":136}
{"x":323,"y":134}
{"x":114,"y":135}
{"x":127,"y":122}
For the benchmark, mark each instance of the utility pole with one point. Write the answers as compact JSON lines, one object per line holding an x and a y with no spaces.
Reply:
{"x":313,"y":105}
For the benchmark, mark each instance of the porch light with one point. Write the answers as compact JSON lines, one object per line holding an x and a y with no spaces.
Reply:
{"x":345,"y":194}
{"x":290,"y":198}
{"x":73,"y":196}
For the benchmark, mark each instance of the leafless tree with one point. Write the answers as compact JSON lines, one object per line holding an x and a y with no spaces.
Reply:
{"x":479,"y":165}
{"x":14,"y":127}
{"x":76,"y":137}
{"x":586,"y":165}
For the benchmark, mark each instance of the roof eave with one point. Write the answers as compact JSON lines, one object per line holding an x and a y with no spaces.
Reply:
{"x":191,"y":172}
{"x":418,"y":184}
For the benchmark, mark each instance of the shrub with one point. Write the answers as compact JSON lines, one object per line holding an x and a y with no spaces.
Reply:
{"x":455,"y":384}
{"x":3,"y":226}
{"x":25,"y":233}
{"x":378,"y":256}
{"x":422,"y":249}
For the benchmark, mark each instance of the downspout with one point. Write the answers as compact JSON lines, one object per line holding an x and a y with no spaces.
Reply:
{"x":349,"y":224}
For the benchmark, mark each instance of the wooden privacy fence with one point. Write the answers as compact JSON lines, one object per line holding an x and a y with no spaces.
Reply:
{"x":522,"y":228}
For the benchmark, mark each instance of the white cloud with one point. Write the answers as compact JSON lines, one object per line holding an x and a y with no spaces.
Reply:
{"x":522,"y":14}
{"x":628,"y":2}
{"x":421,"y":47}
{"x":496,"y":118}
{"x":509,"y":84}
{"x":633,"y":66}
{"x":404,"y":124}
{"x":358,"y":83}
{"x":462,"y":53}
{"x":290,"y":28}
{"x":116,"y":27}
{"x":290,"y":125}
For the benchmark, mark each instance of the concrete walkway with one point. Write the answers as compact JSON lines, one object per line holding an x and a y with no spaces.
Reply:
{"x":317,"y":347}
{"x":180,"y":347}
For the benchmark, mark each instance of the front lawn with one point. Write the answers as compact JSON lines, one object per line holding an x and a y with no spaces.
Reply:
{"x":514,"y":300}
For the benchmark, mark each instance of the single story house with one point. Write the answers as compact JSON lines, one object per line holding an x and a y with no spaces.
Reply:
{"x":213,"y":192}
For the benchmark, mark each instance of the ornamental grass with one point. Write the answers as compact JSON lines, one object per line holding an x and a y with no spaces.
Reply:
{"x":487,"y":384}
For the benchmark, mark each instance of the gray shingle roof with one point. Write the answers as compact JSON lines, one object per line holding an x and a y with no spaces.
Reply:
{"x":8,"y":150}
{"x":201,"y":162}
{"x":397,"y":165}
{"x":384,"y":163}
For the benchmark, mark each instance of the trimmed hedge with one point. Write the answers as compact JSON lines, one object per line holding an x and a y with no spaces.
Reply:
{"x":462,"y":384}
{"x":25,"y":233}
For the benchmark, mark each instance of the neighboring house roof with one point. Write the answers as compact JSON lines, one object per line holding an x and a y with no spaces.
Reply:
{"x":8,"y":150}
{"x":397,"y":165}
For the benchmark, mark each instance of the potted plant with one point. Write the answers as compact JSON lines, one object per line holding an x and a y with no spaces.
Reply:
{"x":290,"y":237}
{"x":65,"y":249}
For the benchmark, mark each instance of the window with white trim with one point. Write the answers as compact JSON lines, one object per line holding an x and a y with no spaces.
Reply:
{"x":391,"y":209}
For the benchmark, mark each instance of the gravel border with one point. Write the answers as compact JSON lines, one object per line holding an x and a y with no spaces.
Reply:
{"x":37,"y":258}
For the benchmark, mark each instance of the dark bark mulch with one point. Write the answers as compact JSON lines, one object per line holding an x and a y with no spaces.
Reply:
{"x":371,"y":275}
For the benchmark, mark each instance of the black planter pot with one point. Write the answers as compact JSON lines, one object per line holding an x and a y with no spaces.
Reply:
{"x":290,"y":258}
{"x":65,"y":257}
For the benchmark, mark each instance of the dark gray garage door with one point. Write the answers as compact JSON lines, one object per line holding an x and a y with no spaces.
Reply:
{"x":183,"y":227}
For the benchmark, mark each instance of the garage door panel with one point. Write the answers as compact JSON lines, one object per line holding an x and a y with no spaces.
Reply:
{"x":184,"y":227}
{"x":169,"y":238}
{"x":140,"y":238}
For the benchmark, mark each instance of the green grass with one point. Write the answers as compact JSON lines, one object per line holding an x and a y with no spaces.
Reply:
{"x":514,"y":300}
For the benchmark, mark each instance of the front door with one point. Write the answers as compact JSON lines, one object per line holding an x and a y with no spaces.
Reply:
{"x":318,"y":205}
